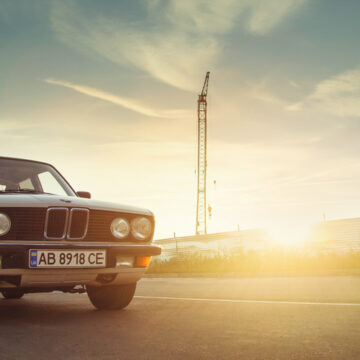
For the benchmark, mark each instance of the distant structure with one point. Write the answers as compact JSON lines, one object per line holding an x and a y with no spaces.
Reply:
{"x":214,"y":244}
{"x":339,"y":235}
{"x":334,"y":236}
{"x":202,"y":160}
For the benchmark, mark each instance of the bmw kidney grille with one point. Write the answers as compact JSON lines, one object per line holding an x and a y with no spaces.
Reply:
{"x":63,"y":223}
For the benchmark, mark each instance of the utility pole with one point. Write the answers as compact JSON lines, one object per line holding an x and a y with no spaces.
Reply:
{"x":202,"y":159}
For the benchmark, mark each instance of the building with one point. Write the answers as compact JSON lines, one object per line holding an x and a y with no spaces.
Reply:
{"x":213,"y":244}
{"x":339,"y":235}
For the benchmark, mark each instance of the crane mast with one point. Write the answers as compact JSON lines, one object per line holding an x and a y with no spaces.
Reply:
{"x":202,"y":159}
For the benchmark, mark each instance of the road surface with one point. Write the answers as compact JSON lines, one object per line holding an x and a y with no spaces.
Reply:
{"x":283,"y":318}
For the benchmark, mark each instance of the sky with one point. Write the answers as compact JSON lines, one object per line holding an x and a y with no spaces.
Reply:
{"x":107,"y":92}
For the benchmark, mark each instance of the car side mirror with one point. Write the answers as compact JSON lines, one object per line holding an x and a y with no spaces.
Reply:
{"x":84,"y":194}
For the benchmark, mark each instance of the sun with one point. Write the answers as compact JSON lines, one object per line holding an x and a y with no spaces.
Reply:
{"x":288,"y":234}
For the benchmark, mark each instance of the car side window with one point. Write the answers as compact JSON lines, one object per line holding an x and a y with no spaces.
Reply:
{"x":26,"y":184}
{"x":49,"y":184}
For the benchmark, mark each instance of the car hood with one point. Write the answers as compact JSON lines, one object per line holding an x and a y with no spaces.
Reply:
{"x":44,"y":200}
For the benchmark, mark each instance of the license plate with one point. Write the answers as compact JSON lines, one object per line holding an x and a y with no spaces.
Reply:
{"x":67,"y":258}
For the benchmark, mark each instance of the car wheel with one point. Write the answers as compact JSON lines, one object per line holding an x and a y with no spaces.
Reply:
{"x":111,"y":297}
{"x":12,"y":293}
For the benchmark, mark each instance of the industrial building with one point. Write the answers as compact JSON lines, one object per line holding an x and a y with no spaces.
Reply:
{"x":341,"y":235}
{"x":213,"y":244}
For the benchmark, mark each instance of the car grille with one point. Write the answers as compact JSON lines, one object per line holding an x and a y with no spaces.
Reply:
{"x":56,"y":223}
{"x":78,"y":224}
{"x":26,"y":223}
{"x":65,"y":223}
{"x":34,"y":224}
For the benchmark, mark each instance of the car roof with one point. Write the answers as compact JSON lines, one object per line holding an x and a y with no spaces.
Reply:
{"x":20,"y":159}
{"x":39,"y":162}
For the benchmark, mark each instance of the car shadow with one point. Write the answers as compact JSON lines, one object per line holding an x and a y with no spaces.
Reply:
{"x":49,"y":309}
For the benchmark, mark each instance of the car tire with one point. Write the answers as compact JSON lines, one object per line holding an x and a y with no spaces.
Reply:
{"x":12,"y":293}
{"x":111,"y":297}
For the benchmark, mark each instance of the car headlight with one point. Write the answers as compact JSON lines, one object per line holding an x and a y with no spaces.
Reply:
{"x":120,"y":228}
{"x":5,"y":224}
{"x":141,"y":228}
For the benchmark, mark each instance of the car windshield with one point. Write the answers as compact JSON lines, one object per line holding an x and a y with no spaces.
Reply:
{"x":21,"y":176}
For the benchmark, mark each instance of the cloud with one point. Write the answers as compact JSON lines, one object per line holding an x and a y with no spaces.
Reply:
{"x":219,"y":16}
{"x":294,"y":107}
{"x":266,"y":15}
{"x":176,"y":42}
{"x":125,"y":102}
{"x":338,"y":95}
{"x":260,"y":92}
{"x":173,"y":57}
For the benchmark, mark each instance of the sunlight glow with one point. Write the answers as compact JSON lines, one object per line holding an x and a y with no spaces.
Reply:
{"x":288,"y":235}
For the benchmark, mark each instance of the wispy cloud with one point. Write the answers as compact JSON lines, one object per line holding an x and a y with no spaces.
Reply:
{"x":125,"y":102}
{"x":180,"y":40}
{"x":338,"y":95}
{"x":266,"y":15}
{"x":260,"y":92}
{"x":219,"y":16}
{"x":174,"y":57}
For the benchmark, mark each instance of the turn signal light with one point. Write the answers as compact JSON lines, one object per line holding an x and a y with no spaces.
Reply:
{"x":142,"y":261}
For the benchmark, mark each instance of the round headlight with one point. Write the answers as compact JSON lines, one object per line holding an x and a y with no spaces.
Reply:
{"x":141,"y":228}
{"x":120,"y":228}
{"x":5,"y":224}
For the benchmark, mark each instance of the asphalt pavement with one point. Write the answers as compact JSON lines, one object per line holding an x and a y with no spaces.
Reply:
{"x":276,"y":318}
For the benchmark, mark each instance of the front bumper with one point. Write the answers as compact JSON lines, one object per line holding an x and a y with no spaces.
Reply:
{"x":15,"y":271}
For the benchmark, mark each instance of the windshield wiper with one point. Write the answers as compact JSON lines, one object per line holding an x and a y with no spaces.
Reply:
{"x":26,"y":191}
